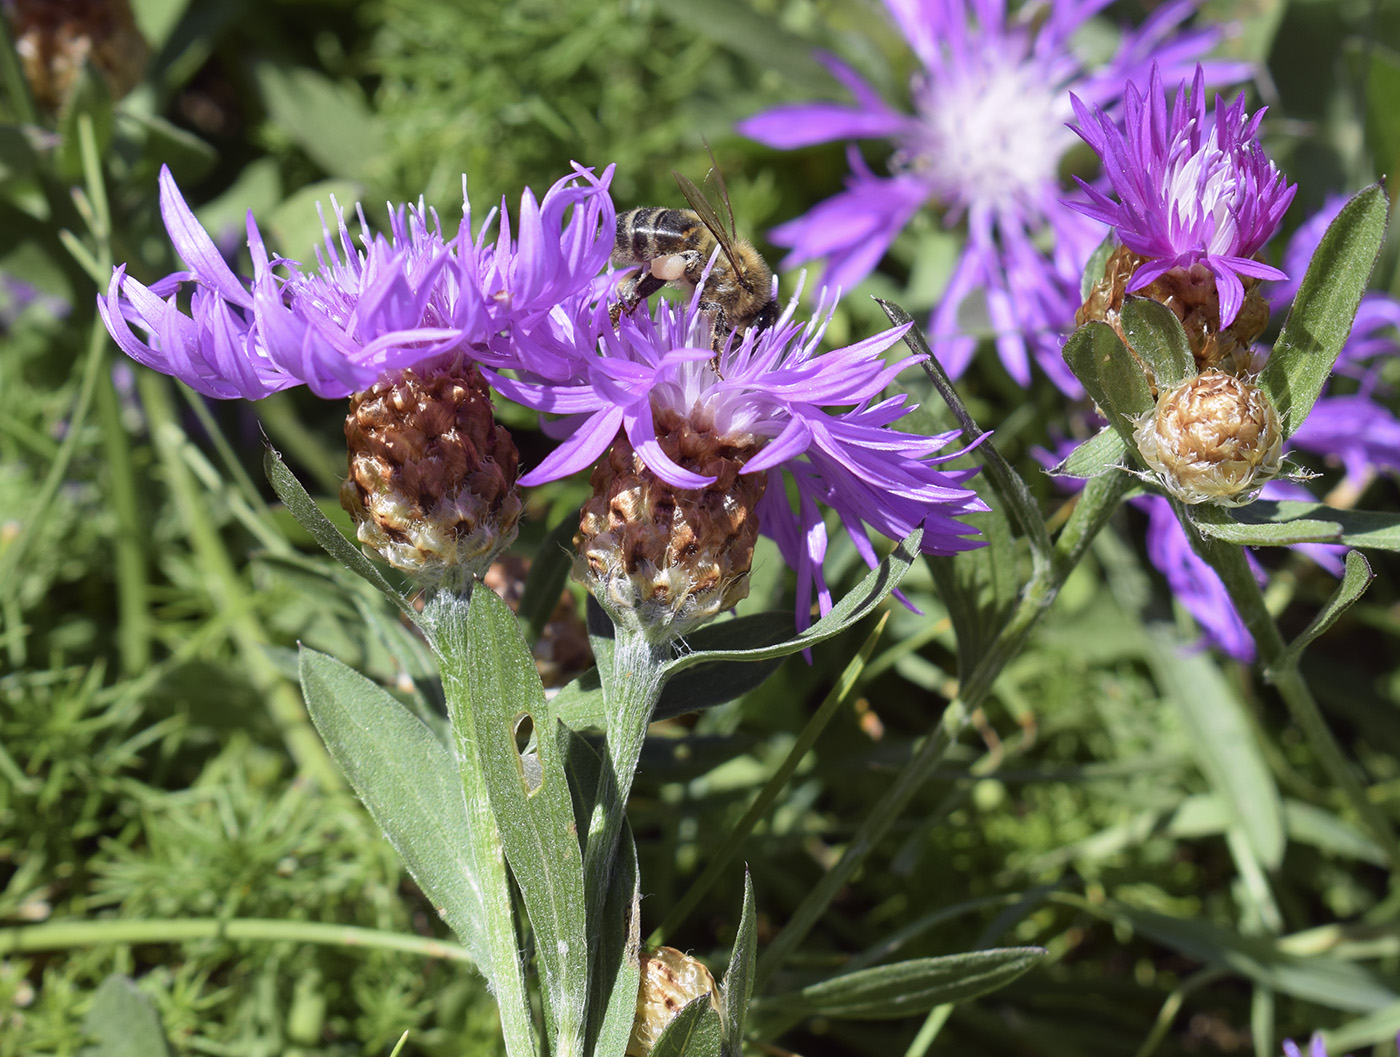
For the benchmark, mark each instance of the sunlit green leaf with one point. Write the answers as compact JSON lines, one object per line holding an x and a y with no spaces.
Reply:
{"x":1157,"y":336}
{"x":124,"y":1022}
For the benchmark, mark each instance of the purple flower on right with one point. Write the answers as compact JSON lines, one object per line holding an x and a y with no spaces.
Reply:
{"x":1191,"y":191}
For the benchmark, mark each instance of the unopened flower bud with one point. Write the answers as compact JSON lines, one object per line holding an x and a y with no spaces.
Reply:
{"x":56,"y":38}
{"x":1192,"y":295}
{"x":432,"y":477}
{"x":670,"y":981}
{"x":1213,"y":439}
{"x":665,"y":559}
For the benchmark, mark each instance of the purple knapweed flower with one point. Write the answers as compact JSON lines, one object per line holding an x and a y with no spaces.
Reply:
{"x":384,"y":305}
{"x":1191,"y":190}
{"x":1356,"y":428}
{"x":985,"y":146}
{"x":785,"y":408}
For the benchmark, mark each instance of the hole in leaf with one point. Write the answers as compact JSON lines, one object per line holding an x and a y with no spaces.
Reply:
{"x":530,"y":768}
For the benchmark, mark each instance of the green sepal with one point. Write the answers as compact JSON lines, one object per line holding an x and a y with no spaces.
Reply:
{"x":696,"y":1031}
{"x":1111,"y":376}
{"x":1320,"y":320}
{"x":1102,"y":453}
{"x":1157,"y":336}
{"x":909,"y":988}
{"x":1094,"y":268}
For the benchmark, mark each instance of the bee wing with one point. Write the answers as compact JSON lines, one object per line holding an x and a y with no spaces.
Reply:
{"x":723,"y":190}
{"x":706,"y":212}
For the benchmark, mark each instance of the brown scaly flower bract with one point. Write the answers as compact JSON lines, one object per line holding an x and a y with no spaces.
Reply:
{"x":668,"y":559}
{"x":432,"y":477}
{"x":671,"y":980}
{"x":1190,"y":293}
{"x":1212,"y":439}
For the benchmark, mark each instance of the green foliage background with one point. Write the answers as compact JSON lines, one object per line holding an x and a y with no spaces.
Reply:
{"x":156,"y":768}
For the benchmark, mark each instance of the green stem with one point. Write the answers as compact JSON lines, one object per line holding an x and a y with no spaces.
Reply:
{"x":1097,"y":503}
{"x":133,"y":596}
{"x":1230,"y":564}
{"x":69,"y":935}
{"x":446,"y":614}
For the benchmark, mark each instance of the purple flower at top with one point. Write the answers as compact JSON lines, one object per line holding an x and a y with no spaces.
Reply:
{"x":1190,"y":190}
{"x":817,"y":416}
{"x":386,"y":304}
{"x":984,"y":145}
{"x":1356,"y":428}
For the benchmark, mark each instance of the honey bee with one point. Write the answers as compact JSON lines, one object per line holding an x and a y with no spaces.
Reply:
{"x":674,"y":246}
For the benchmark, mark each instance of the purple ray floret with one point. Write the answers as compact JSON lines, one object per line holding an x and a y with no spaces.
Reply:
{"x":1190,"y":190}
{"x":372,"y":304}
{"x":818,"y":417}
{"x":983,"y":146}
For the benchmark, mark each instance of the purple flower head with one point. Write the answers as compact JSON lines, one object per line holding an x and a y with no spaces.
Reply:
{"x":1190,"y":190}
{"x":385,"y":304}
{"x":817,"y":416}
{"x":984,"y":145}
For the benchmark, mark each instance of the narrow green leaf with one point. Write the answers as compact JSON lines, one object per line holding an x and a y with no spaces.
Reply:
{"x":906,"y":989}
{"x":736,"y":989}
{"x":1276,"y":522}
{"x":409,"y":782}
{"x":718,"y":682}
{"x":308,"y":515}
{"x":1320,"y":980}
{"x":1355,"y":579}
{"x":124,"y":1022}
{"x":1094,"y":269}
{"x":1320,"y":320}
{"x":1102,"y":453}
{"x":1222,"y":741}
{"x":1157,"y":336}
{"x":531,"y":800}
{"x":866,"y":595}
{"x":1110,"y":375}
{"x":330,"y":120}
{"x":695,"y":1031}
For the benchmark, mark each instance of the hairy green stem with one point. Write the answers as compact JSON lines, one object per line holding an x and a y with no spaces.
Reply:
{"x":446,"y":614}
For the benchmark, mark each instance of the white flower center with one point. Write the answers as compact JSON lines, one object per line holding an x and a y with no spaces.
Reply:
{"x":1201,"y":191}
{"x":994,"y":132}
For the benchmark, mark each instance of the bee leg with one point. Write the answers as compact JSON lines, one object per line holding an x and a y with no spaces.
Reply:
{"x":631,"y":292}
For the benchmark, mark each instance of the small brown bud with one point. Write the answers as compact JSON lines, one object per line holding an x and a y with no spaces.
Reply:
{"x":669,"y":559}
{"x":432,"y":477}
{"x":54,"y":38}
{"x":670,"y":982}
{"x":1190,"y":293}
{"x":1213,"y":439}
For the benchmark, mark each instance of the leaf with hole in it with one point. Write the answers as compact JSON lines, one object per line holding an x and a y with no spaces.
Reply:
{"x":124,"y":1022}
{"x":1356,"y":578}
{"x":909,"y":988}
{"x":866,"y":595}
{"x":409,"y":782}
{"x":737,"y":986}
{"x":696,"y":1031}
{"x":531,"y":801}
{"x":1157,"y":336}
{"x":1110,"y":375}
{"x":1320,"y":320}
{"x":309,"y":516}
{"x":1102,"y":453}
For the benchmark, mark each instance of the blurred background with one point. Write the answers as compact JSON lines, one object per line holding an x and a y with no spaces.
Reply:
{"x":157,"y":769}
